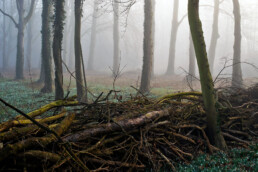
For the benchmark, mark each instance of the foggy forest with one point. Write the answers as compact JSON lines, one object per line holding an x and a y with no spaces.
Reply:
{"x":128,"y":85}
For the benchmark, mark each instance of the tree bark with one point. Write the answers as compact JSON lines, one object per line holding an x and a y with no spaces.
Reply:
{"x":78,"y":6}
{"x":153,"y":35}
{"x":5,"y":64}
{"x":46,"y":46}
{"x":147,"y":47}
{"x":90,"y":65}
{"x":57,"y":47}
{"x":20,"y":38}
{"x":237,"y":80}
{"x":20,"y":41}
{"x":116,"y":39}
{"x":191,"y":57}
{"x":214,"y":36}
{"x":173,"y":37}
{"x":29,"y":42}
{"x":207,"y":86}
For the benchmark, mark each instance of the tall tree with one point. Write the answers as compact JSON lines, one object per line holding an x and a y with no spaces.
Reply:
{"x":207,"y":85}
{"x":81,"y":93}
{"x":5,"y":61}
{"x":29,"y":44}
{"x":191,"y":57}
{"x":147,"y":47}
{"x":153,"y":34}
{"x":57,"y":47}
{"x":20,"y":25}
{"x":173,"y":37}
{"x":237,"y":79}
{"x":116,"y":39}
{"x":46,"y":46}
{"x":214,"y":36}
{"x":90,"y":65}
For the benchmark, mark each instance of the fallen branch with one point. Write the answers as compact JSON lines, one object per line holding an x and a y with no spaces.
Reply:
{"x":128,"y":124}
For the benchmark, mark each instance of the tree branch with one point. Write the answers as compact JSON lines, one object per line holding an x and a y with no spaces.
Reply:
{"x":4,"y":13}
{"x":27,"y":18}
{"x":182,"y":19}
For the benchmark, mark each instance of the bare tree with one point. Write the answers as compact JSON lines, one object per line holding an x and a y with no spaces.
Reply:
{"x":78,"y":5}
{"x":57,"y":47}
{"x":46,"y":46}
{"x":5,"y":64}
{"x":116,"y":38}
{"x":214,"y":36}
{"x":90,"y":65}
{"x":237,"y":79}
{"x":192,"y":60}
{"x":207,"y":85}
{"x":20,"y":25}
{"x":147,"y":47}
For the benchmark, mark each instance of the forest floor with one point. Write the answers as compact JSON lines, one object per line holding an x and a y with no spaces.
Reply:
{"x":25,"y":95}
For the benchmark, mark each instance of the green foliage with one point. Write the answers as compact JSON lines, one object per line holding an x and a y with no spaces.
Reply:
{"x":237,"y":159}
{"x":22,"y":97}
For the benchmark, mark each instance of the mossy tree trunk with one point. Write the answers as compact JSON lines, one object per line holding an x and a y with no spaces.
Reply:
{"x":147,"y":47}
{"x":214,"y":36}
{"x":207,"y":86}
{"x":237,"y":80}
{"x":78,"y":6}
{"x":57,"y":47}
{"x":46,"y":46}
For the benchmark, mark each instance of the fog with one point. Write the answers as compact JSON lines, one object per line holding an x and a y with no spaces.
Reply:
{"x":131,"y":34}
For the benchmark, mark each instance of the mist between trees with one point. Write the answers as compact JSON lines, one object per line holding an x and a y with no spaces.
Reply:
{"x":97,"y":35}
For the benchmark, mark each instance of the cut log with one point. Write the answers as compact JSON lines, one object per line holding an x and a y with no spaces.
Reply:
{"x":124,"y":125}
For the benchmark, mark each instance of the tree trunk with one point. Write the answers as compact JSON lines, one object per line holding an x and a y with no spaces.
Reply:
{"x":29,"y":41}
{"x":237,"y":80}
{"x":207,"y":86}
{"x":153,"y":35}
{"x":5,"y":64}
{"x":57,"y":47}
{"x":78,"y":6}
{"x":116,"y":40}
{"x":90,"y":65}
{"x":147,"y":47}
{"x":20,"y":41}
{"x":66,"y":33}
{"x":191,"y":57}
{"x":173,"y":37}
{"x":214,"y":36}
{"x":46,"y":46}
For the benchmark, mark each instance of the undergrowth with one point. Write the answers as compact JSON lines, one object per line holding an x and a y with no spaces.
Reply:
{"x":237,"y":159}
{"x":28,"y":99}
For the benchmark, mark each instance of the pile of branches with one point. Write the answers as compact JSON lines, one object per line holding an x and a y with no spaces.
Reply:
{"x":137,"y":134}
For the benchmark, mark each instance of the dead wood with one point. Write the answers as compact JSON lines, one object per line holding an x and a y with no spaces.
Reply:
{"x":13,"y":149}
{"x":124,"y":125}
{"x":127,"y":136}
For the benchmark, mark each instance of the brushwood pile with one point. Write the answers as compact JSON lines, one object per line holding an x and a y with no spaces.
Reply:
{"x":138,"y":134}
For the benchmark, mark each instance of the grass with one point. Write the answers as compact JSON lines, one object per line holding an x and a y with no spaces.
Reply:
{"x":27,"y":99}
